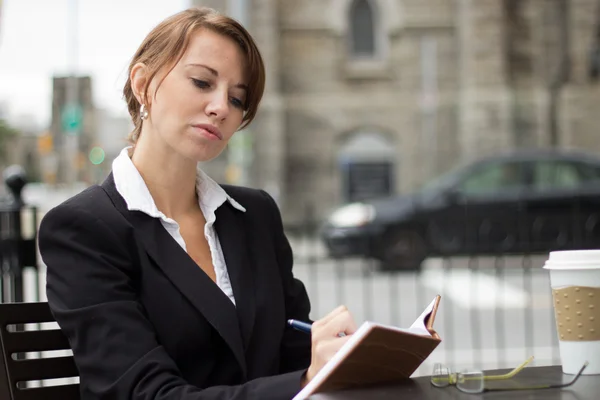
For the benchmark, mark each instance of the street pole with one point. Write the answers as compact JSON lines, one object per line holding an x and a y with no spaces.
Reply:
{"x":238,"y":10}
{"x":71,"y":137}
{"x":429,"y":105}
{"x":239,"y":150}
{"x":560,"y":19}
{"x":1,"y":18}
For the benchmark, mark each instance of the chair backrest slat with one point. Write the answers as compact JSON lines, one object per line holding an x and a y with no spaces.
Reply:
{"x":25,"y":313}
{"x":13,"y":372}
{"x":27,"y":341}
{"x":66,"y":392}
{"x":42,"y":368}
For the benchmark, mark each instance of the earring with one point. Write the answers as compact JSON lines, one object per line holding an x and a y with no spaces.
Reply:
{"x":143,"y":112}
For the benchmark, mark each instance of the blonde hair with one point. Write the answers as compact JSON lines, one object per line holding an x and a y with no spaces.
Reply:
{"x":167,"y":42}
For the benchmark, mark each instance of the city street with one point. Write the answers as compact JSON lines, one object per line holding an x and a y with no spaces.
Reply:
{"x":494,"y":314}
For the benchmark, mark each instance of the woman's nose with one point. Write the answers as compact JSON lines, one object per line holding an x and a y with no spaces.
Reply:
{"x":218,"y":104}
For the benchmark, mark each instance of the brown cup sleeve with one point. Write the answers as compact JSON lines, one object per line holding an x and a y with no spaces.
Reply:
{"x":577,"y":311}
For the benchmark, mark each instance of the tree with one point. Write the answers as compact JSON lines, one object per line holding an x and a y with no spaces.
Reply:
{"x":7,"y":133}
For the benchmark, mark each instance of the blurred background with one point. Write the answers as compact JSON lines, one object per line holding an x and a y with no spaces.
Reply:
{"x":415,"y":147}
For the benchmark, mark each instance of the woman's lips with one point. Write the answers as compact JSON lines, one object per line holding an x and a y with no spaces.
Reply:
{"x":208,"y":131}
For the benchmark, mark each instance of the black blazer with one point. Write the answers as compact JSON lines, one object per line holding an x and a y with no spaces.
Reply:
{"x":145,"y":322}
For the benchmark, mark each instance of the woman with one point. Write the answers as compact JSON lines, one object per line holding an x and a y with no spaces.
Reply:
{"x":168,"y":285}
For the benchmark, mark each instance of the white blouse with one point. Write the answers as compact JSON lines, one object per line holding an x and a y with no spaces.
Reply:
{"x":211,"y":195}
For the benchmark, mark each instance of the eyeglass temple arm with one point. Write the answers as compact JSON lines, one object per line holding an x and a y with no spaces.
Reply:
{"x":510,"y":374}
{"x":557,"y":386}
{"x":572,"y":380}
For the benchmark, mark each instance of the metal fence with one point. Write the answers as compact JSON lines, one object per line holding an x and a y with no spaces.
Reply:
{"x":495,"y":312}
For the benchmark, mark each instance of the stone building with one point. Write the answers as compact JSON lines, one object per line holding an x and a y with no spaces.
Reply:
{"x":366,"y":97}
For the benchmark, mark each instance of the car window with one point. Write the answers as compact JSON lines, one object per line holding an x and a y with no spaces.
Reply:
{"x":589,"y":172}
{"x":548,"y":175}
{"x":494,"y":178}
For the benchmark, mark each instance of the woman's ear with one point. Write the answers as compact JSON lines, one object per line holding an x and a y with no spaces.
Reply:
{"x":139,"y":80}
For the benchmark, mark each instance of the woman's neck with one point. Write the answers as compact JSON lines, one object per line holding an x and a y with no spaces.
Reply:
{"x":170,"y":178}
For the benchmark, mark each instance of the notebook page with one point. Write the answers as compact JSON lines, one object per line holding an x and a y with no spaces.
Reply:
{"x":418,"y":326}
{"x":414,"y":331}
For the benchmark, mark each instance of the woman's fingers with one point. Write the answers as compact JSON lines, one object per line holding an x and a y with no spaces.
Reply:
{"x":339,"y":321}
{"x":326,"y":340}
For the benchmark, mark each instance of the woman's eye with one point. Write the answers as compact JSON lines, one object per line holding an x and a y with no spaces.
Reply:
{"x":237,"y":102}
{"x":200,"y":83}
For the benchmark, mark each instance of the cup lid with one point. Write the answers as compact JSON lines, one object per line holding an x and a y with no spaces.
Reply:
{"x":573,"y":259}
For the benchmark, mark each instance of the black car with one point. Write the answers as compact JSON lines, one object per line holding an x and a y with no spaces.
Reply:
{"x":522,"y":202}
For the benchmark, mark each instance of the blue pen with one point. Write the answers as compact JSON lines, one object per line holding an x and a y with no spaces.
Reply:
{"x":305,"y":326}
{"x":299,"y":325}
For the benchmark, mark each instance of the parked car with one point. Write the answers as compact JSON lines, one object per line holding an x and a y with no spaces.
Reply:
{"x":520,"y":202}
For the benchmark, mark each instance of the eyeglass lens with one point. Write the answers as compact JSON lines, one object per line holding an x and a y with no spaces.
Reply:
{"x":440,"y":376}
{"x":470,"y":381}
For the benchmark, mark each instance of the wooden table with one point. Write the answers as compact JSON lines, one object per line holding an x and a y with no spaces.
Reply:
{"x":587,"y":387}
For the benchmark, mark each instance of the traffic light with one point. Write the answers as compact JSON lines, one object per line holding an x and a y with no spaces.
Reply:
{"x":45,"y":143}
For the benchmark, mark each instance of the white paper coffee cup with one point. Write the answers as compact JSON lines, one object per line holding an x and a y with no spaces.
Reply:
{"x":575,"y":282}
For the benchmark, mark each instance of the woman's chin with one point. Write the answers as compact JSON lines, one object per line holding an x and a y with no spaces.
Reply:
{"x":203,"y":155}
{"x":201,"y":150}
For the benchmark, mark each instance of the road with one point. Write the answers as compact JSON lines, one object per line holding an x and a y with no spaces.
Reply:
{"x":494,"y":313}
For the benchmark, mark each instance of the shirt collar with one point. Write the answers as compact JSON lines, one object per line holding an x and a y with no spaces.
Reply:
{"x":133,"y":189}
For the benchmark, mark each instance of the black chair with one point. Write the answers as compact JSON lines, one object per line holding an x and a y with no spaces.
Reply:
{"x":16,"y":370}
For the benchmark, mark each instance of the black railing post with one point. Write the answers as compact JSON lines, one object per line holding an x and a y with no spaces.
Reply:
{"x":340,"y":274}
{"x":310,"y":235}
{"x":528,"y":322}
{"x":367,"y":285}
{"x":475,"y":320}
{"x":499,"y":315}
{"x":394,"y":301}
{"x":448,"y":327}
{"x":12,"y":239}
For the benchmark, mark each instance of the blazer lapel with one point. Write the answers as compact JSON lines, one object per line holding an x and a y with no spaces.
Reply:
{"x":176,"y":264}
{"x":231,"y":231}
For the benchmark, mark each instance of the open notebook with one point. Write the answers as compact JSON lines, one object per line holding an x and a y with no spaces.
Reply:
{"x":378,"y":354}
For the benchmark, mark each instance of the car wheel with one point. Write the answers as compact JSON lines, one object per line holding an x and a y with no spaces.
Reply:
{"x":402,"y":251}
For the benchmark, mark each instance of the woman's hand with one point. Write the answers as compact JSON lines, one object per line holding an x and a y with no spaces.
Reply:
{"x":327,"y":335}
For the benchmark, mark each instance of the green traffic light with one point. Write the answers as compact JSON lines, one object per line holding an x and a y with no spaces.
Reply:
{"x":97,"y":155}
{"x":71,"y":119}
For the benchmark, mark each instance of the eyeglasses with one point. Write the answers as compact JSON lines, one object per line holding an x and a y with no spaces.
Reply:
{"x":472,"y":381}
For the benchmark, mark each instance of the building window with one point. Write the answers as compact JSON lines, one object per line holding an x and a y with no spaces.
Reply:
{"x":362,"y":29}
{"x":366,"y":161}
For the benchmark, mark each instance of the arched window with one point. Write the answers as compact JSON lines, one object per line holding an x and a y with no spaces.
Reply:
{"x":367,"y":164}
{"x":362,"y":29}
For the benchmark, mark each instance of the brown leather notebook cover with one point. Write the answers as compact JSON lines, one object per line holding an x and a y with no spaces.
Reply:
{"x":381,"y":355}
